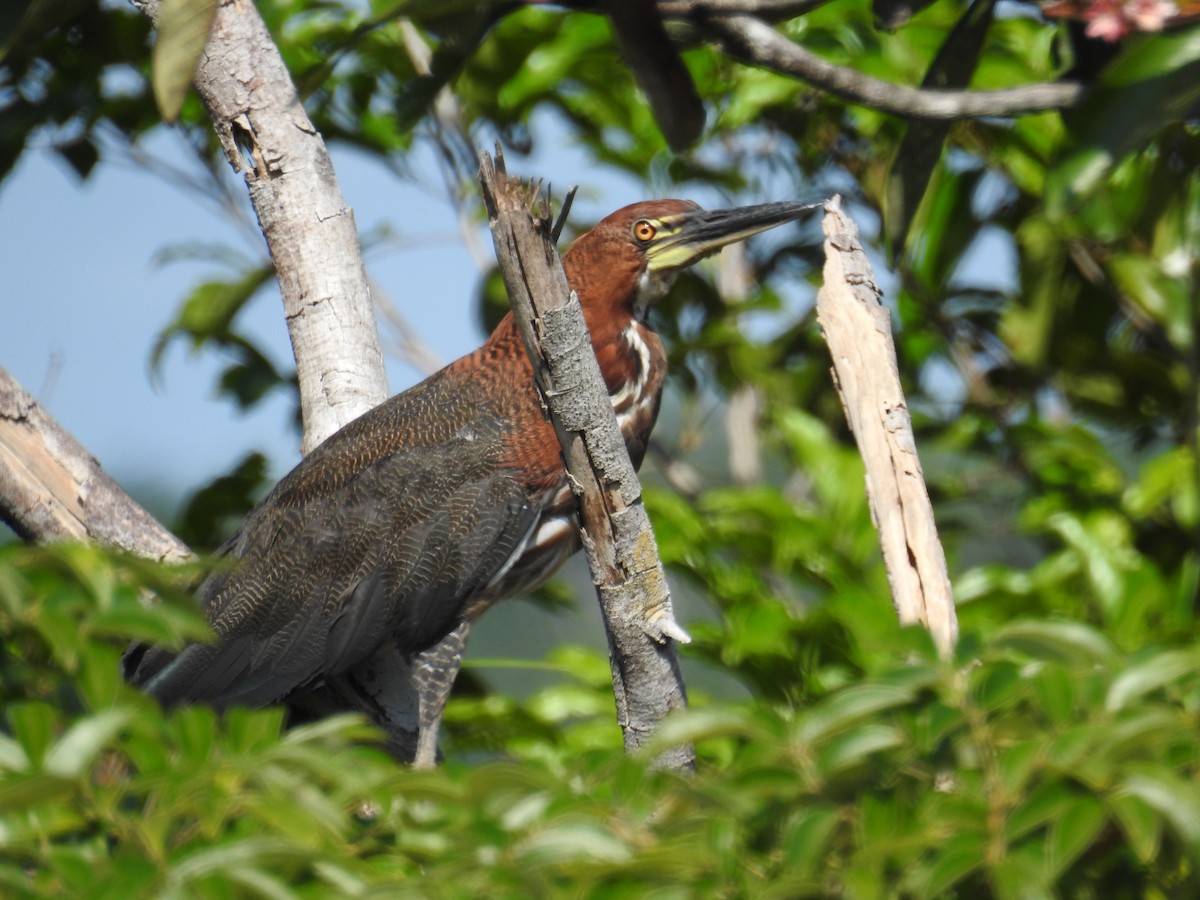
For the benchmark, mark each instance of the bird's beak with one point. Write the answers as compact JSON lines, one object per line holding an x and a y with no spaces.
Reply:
{"x":689,"y":237}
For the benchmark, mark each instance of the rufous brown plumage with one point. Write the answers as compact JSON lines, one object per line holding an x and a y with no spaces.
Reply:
{"x":406,"y":524}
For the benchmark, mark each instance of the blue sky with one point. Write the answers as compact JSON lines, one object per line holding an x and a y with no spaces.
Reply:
{"x":86,"y":300}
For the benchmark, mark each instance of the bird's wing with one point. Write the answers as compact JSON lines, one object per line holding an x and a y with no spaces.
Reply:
{"x":331,"y":567}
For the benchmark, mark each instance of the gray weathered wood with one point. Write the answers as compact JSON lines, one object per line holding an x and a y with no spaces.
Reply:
{"x":268,"y":138}
{"x":618,"y":541}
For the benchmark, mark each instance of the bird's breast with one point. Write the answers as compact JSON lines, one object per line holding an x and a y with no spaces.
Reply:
{"x":637,"y":392}
{"x":633,"y":395}
{"x":634,"y":366}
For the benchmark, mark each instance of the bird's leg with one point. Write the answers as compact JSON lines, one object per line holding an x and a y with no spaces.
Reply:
{"x":435,"y":670}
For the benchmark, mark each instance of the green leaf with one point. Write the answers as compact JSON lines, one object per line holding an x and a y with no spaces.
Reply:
{"x":33,"y":725}
{"x":1055,"y":689}
{"x":347,"y":726}
{"x":260,"y":881}
{"x":16,"y":879}
{"x":183,"y":27}
{"x":1148,"y":56}
{"x":1019,"y":875}
{"x":1140,"y":822}
{"x":693,"y":725}
{"x":1045,"y":803}
{"x":207,"y":316}
{"x":846,"y":707}
{"x":808,"y":833}
{"x":1018,"y":763}
{"x":37,"y":790}
{"x":1166,"y":480}
{"x":206,"y":516}
{"x":159,"y":624}
{"x":1176,"y":800}
{"x":1164,"y":299}
{"x":341,"y":879}
{"x":943,"y":228}
{"x":99,"y":680}
{"x":194,"y":729}
{"x":1071,"y":832}
{"x":1155,"y":80}
{"x":76,"y":750}
{"x":1069,"y":642}
{"x":958,"y":857}
{"x":850,"y":749}
{"x":13,"y":757}
{"x":1158,"y":671}
{"x":921,"y":148}
{"x":246,"y":851}
{"x":251,"y":730}
{"x":82,"y":155}
{"x":568,"y":842}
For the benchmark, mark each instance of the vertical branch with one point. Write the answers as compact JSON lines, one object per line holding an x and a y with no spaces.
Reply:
{"x":618,"y":542}
{"x":858,"y":330}
{"x":310,"y":230}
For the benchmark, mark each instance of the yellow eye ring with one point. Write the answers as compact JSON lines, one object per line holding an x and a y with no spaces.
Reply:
{"x":644,"y":230}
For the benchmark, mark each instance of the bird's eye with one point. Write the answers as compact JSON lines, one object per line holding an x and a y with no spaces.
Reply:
{"x":643,"y":230}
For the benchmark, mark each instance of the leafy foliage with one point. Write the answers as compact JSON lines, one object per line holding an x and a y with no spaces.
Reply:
{"x":1043,"y":759}
{"x":206,"y":518}
{"x":56,"y":70}
{"x":1043,"y":275}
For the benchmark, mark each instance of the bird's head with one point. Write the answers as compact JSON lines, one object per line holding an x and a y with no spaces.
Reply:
{"x":630,"y":258}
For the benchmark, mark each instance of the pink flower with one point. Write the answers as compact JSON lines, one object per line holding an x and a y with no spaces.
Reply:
{"x":1149,"y":15}
{"x":1111,"y":20}
{"x":1106,"y":20}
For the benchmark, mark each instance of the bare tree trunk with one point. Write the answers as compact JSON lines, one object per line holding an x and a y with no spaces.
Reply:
{"x":311,"y":234}
{"x":309,"y":228}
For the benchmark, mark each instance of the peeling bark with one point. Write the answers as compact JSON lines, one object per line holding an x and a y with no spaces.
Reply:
{"x":858,"y":329}
{"x":52,"y":489}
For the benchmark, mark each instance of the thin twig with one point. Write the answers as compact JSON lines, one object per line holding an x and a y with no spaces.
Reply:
{"x":556,"y":233}
{"x":758,"y":44}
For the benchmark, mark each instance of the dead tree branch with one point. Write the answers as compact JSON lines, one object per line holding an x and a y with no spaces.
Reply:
{"x":756,"y":43}
{"x":52,"y":489}
{"x":618,"y":542}
{"x":858,"y":329}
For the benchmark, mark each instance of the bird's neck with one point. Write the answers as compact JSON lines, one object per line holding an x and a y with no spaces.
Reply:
{"x":627,"y":350}
{"x":651,"y":287}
